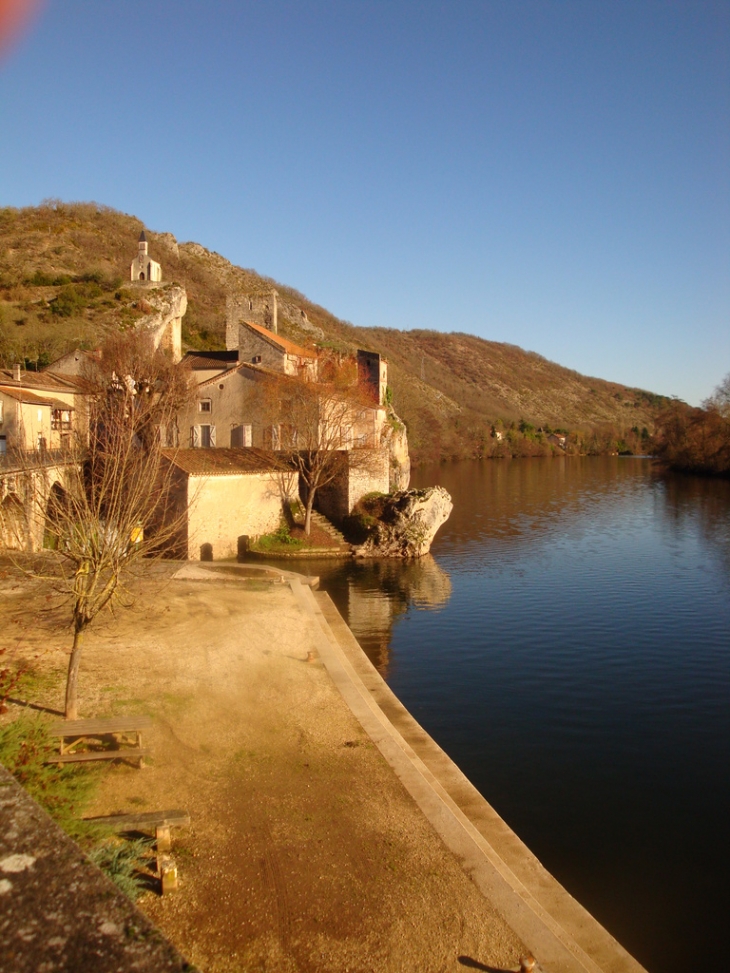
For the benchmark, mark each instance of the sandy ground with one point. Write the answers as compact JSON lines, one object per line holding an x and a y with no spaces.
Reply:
{"x":305,"y":853}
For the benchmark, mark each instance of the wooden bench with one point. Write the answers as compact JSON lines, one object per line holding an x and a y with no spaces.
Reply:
{"x":160,"y":821}
{"x":127,"y":731}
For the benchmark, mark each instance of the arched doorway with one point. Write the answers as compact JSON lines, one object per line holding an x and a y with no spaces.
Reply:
{"x":141,"y":275}
{"x":56,"y":523}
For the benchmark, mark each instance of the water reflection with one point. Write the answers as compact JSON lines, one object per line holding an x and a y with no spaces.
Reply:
{"x":693,"y":503}
{"x":372,"y":595}
{"x":512,"y":505}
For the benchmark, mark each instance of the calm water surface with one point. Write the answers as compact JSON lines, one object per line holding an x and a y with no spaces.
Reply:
{"x":568,"y":644}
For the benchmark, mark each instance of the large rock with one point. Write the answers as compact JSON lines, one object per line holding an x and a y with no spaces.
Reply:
{"x":408,"y":523}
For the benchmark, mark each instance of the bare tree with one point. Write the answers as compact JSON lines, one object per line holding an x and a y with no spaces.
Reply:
{"x":720,"y":398}
{"x":111,"y":506}
{"x":324,"y":427}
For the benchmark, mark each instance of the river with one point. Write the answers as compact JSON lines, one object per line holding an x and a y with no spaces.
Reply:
{"x":568,"y":644}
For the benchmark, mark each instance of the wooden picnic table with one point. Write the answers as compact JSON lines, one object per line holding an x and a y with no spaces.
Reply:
{"x":126,"y":731}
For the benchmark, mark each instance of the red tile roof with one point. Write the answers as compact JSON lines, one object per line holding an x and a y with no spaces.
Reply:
{"x":219,"y":461}
{"x":24,"y":395}
{"x":210,"y":359}
{"x":288,"y":346}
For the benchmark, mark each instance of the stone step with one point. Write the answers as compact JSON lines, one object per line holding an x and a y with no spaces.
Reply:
{"x":328,"y":527}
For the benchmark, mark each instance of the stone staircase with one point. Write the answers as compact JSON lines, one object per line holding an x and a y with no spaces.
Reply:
{"x":329,"y":528}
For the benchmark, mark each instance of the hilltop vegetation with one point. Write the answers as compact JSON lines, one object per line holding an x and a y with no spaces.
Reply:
{"x":64,"y":274}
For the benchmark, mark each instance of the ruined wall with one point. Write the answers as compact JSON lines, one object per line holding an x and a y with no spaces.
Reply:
{"x":258,"y":308}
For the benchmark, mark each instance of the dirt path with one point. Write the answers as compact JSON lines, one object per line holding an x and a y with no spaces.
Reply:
{"x":305,"y":852}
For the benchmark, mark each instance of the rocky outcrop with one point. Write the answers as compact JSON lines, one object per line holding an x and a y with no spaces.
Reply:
{"x":407,"y":524}
{"x":395,"y":439}
{"x":167,"y":306}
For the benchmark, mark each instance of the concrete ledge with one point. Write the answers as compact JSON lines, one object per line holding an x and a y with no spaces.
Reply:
{"x":58,"y":912}
{"x":562,"y":935}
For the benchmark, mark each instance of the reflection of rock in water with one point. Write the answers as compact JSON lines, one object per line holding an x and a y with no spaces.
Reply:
{"x":383,"y":591}
{"x":429,"y":586}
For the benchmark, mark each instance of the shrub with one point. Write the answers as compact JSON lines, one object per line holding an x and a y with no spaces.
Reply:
{"x":124,"y":862}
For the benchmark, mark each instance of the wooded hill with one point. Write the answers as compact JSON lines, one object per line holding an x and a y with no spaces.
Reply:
{"x":64,"y":276}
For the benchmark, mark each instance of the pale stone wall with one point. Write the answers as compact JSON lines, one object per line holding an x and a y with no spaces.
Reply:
{"x":223,"y":508}
{"x":235,"y":400}
{"x":252,"y":345}
{"x":23,"y":422}
{"x":367,"y":472}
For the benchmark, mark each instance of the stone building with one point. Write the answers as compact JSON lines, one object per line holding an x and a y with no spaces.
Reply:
{"x":143,"y":267}
{"x":39,"y":410}
{"x":228,"y":494}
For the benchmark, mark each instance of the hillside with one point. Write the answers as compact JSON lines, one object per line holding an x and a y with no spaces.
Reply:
{"x":63,"y":271}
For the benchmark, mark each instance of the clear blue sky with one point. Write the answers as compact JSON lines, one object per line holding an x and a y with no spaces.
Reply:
{"x":551,"y":173}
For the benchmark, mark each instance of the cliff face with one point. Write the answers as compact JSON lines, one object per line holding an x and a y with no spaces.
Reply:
{"x":167,"y":307}
{"x":395,"y":440}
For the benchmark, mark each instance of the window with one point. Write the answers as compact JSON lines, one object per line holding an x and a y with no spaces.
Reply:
{"x":205,"y":405}
{"x":241,"y":435}
{"x":61,"y":419}
{"x":256,"y":360}
{"x":202,"y":436}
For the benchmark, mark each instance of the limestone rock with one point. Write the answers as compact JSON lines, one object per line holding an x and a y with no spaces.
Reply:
{"x":169,"y":303}
{"x":408,"y":523}
{"x":395,"y":439}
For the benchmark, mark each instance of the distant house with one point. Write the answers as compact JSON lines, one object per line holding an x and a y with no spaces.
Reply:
{"x":227,"y":494}
{"x":143,"y":267}
{"x":557,"y":439}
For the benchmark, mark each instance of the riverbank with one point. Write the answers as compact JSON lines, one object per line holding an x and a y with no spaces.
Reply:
{"x":305,"y":852}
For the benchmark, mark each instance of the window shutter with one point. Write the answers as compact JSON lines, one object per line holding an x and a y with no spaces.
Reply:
{"x":247,"y":436}
{"x":212,"y":435}
{"x":195,"y":436}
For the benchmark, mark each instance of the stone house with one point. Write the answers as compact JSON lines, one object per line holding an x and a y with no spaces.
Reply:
{"x":39,"y":410}
{"x":227,"y":494}
{"x":259,"y":346}
{"x":230,"y":410}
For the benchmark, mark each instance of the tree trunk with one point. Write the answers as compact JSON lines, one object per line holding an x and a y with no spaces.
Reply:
{"x":308,"y":513}
{"x":72,"y":712}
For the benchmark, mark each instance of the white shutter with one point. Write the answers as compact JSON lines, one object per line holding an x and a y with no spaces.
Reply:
{"x":195,"y":435}
{"x":212,"y":435}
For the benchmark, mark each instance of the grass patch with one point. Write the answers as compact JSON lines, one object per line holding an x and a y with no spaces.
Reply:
{"x":65,"y":792}
{"x":280,"y":542}
{"x":126,"y":863}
